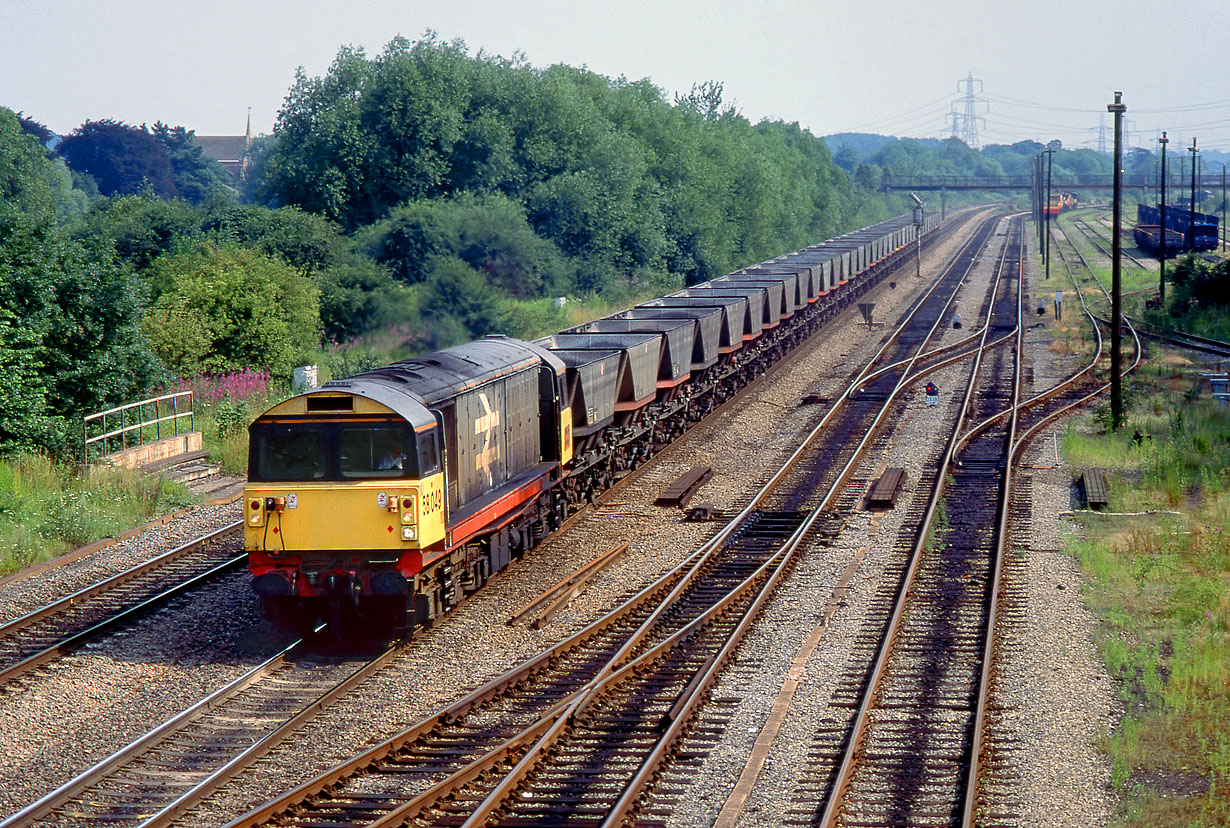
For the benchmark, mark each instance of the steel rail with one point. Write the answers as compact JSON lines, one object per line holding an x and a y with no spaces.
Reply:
{"x":566,"y":584}
{"x":107,"y":584}
{"x":492,"y":802}
{"x":1095,"y":236}
{"x":1058,"y":387}
{"x":845,"y":773}
{"x":975,"y":772}
{"x":246,"y":758}
{"x":550,"y":725}
{"x":1192,"y":342}
{"x":64,"y":793}
{"x":74,"y":641}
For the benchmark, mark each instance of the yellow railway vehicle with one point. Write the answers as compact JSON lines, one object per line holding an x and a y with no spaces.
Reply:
{"x":379,"y":487}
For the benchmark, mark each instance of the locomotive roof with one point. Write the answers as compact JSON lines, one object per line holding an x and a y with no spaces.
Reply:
{"x":412,"y":386}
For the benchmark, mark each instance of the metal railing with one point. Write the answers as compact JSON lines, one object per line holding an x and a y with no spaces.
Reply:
{"x":1059,"y":182}
{"x":136,"y":423}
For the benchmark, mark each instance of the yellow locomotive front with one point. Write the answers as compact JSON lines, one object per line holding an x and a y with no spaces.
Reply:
{"x":344,"y":496}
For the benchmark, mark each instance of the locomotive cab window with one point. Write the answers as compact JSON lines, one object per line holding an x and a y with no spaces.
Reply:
{"x":287,"y":451}
{"x":429,"y":453}
{"x":291,"y":452}
{"x":382,"y":450}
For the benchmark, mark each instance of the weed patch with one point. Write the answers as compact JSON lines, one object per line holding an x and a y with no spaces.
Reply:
{"x":1161,"y":588}
{"x":49,"y":508}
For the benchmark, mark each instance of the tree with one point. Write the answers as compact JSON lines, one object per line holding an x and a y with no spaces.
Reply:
{"x":454,"y":290}
{"x":197,"y":176}
{"x":1199,"y":284}
{"x":39,"y":131}
{"x":607,"y":171}
{"x":123,"y":159}
{"x":847,"y":158}
{"x":24,"y":420}
{"x":226,"y":307}
{"x":356,"y":294}
{"x":490,"y":233}
{"x":140,"y":227}
{"x":94,"y":351}
{"x":71,"y":339}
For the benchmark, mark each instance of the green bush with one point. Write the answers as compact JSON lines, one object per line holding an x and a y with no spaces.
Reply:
{"x":224,"y":308}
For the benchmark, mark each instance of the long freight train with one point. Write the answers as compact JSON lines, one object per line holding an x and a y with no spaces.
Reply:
{"x":393,"y":493}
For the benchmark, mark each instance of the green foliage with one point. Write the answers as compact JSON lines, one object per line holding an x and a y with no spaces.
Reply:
{"x":94,"y":353}
{"x":613,"y":177}
{"x":70,"y":340}
{"x":1160,"y":586}
{"x":24,"y":419}
{"x":36,"y":130}
{"x":1199,"y":284}
{"x":225,"y":307}
{"x":25,"y":174}
{"x":490,"y":233}
{"x":231,"y":417}
{"x":356,"y":294}
{"x":48,"y":508}
{"x":197,"y":177}
{"x":123,"y":159}
{"x":141,"y":227}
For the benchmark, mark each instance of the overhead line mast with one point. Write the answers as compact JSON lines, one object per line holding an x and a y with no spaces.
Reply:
{"x":969,"y":116}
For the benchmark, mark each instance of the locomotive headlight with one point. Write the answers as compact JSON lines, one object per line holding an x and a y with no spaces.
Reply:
{"x":407,"y":509}
{"x":257,"y":518}
{"x":407,"y":533}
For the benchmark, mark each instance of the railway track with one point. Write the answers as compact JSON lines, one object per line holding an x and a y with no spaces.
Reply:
{"x":903,"y":749}
{"x":1099,"y":240}
{"x":1213,"y":347}
{"x":101,"y":792}
{"x":229,"y":729}
{"x":43,"y":635}
{"x":532,"y":737}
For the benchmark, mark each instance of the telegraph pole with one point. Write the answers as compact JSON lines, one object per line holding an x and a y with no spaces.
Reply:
{"x":919,"y":221}
{"x":1191,"y":221}
{"x":1037,"y":198}
{"x":1041,"y":204}
{"x":1116,"y":381}
{"x":1161,"y":251}
{"x":1050,"y":155}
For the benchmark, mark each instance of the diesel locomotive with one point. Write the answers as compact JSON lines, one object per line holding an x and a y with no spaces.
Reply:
{"x":392,"y":494}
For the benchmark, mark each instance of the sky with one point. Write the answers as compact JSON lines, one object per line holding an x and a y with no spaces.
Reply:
{"x":1045,"y":69}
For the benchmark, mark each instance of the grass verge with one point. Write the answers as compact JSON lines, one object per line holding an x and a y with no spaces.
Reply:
{"x":49,"y":508}
{"x":1161,"y":588}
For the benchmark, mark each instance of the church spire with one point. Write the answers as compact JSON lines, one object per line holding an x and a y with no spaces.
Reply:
{"x":247,"y":146}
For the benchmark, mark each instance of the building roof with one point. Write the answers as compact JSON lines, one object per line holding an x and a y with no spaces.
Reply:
{"x":224,"y":148}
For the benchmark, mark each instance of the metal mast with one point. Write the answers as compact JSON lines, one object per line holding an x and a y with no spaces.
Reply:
{"x":969,"y":116}
{"x":1116,"y":313}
